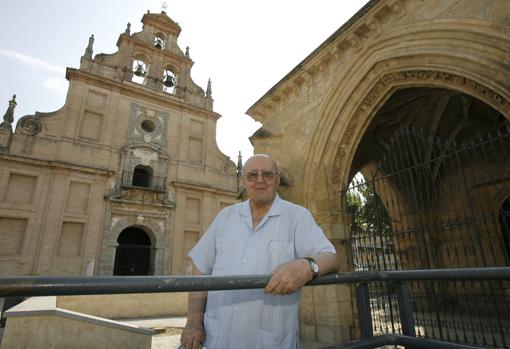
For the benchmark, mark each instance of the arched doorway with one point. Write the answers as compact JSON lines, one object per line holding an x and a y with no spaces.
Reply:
{"x":434,"y":157}
{"x":133,"y":254}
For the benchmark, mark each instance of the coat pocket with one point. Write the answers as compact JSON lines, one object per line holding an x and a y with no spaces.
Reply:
{"x":223,"y":255}
{"x":281,"y":252}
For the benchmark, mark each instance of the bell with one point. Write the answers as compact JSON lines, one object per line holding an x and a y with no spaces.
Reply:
{"x":168,"y":81}
{"x":158,"y":43}
{"x":139,"y":71}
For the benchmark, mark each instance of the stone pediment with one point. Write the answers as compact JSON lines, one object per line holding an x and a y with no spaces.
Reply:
{"x":162,"y":22}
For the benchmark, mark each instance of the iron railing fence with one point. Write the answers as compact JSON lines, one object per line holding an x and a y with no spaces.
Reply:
{"x":143,"y":180}
{"x":407,"y":334}
{"x":433,"y":204}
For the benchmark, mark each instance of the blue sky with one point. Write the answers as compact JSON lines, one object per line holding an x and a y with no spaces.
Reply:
{"x":245,"y":47}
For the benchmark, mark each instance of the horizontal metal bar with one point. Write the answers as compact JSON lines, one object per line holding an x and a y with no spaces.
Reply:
{"x":27,"y":286}
{"x":396,"y":339}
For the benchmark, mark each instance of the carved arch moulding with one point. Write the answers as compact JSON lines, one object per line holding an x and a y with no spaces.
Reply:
{"x":385,"y":85}
{"x":148,"y":226}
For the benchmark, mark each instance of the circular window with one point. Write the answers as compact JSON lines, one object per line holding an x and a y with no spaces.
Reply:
{"x":148,"y":126}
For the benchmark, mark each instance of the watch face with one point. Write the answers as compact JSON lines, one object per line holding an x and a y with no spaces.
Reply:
{"x":315,"y":267}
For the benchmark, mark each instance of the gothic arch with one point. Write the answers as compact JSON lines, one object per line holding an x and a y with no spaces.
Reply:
{"x":354,"y":99}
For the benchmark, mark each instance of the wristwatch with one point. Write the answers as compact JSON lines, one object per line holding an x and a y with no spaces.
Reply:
{"x":313,"y":266}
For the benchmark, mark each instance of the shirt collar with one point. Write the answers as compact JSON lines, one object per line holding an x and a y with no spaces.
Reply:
{"x":275,"y":209}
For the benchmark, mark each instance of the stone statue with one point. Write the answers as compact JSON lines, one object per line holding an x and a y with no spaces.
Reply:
{"x":9,"y":114}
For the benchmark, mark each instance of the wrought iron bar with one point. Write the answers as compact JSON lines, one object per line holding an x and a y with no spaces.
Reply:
{"x":27,"y":286}
{"x":364,"y":314}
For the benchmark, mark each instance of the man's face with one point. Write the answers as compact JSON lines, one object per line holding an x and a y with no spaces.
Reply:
{"x":257,"y":180}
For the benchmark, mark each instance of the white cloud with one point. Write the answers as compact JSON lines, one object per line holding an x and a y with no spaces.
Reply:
{"x":33,"y":62}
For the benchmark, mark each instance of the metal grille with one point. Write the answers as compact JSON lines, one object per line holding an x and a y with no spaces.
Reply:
{"x":143,"y":180}
{"x":133,"y":259}
{"x":437,"y":204}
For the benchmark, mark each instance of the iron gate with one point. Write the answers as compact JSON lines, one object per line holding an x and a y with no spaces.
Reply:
{"x":132,"y":259}
{"x":437,"y":204}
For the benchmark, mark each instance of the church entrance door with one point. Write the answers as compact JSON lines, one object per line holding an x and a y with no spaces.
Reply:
{"x":133,"y":254}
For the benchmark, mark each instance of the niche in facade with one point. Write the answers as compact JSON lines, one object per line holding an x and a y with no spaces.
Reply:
{"x":148,"y":126}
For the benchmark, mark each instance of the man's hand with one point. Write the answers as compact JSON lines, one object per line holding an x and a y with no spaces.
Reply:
{"x":289,"y":277}
{"x":193,"y":336}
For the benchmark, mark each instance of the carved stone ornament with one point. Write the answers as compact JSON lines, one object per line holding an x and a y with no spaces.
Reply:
{"x":408,"y":77}
{"x":29,"y":125}
{"x":141,"y":197}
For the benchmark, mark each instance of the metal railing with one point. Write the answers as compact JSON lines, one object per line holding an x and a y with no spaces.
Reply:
{"x":143,"y":181}
{"x":27,"y":286}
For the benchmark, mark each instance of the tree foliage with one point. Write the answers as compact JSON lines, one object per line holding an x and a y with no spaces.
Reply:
{"x":367,"y":211}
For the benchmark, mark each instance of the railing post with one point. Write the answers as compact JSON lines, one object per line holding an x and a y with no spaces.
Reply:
{"x":364,"y":312}
{"x":405,"y":309}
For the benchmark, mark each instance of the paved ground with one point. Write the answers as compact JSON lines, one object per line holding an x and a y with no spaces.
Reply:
{"x":169,"y":332}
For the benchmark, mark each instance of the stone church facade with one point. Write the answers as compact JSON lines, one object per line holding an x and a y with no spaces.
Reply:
{"x":126,"y":176}
{"x":426,"y":70}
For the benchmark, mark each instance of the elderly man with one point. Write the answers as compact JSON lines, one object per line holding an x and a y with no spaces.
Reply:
{"x":262,"y":235}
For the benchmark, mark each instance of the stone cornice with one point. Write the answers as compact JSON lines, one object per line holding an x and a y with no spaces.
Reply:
{"x":366,"y":23}
{"x":136,"y":92}
{"x":210,"y":189}
{"x":58,"y":164}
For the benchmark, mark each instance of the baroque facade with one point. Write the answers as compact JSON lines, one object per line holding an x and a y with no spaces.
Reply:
{"x":124,"y":178}
{"x":420,"y":88}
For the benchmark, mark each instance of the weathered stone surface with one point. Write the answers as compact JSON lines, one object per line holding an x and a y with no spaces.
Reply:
{"x":326,"y":107}
{"x":67,"y":187}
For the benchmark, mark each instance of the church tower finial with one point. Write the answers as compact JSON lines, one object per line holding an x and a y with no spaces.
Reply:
{"x":239,"y":164}
{"x":208,"y":92}
{"x":89,"y":50}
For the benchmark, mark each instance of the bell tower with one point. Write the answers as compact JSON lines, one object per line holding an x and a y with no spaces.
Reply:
{"x":152,"y":59}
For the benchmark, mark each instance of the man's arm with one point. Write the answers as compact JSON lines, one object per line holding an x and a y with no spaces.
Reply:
{"x":289,"y":277}
{"x":193,"y":334}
